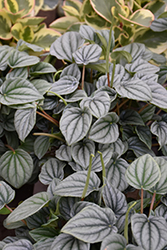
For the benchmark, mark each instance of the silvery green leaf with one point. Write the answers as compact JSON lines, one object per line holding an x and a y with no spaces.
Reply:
{"x":52,"y":168}
{"x":18,"y":72}
{"x":144,"y":135}
{"x":88,"y":33}
{"x":96,"y":162}
{"x":7,"y":121}
{"x":41,"y":85}
{"x":161,"y":186}
{"x":81,"y":152}
{"x":2,"y":244}
{"x":162,"y":74}
{"x":78,"y":95}
{"x":99,"y":221}
{"x":64,"y":86}
{"x":76,"y":167}
{"x":19,"y":59}
{"x":87,"y":54}
{"x":130,"y":117}
{"x":145,"y":77}
{"x":72,"y":70}
{"x":159,"y":24}
{"x":24,"y":45}
{"x":51,"y":187}
{"x":115,"y":242}
{"x":159,"y":128}
{"x":16,"y":167}
{"x":147,"y":113}
{"x":143,"y":172}
{"x":41,"y":146}
{"x":114,"y":199}
{"x":43,"y":233}
{"x":50,"y":102}
{"x":89,"y":88}
{"x":4,"y":55}
{"x":105,"y":129}
{"x":141,"y":65}
{"x":134,"y":89}
{"x":7,"y":194}
{"x":38,"y":219}
{"x":159,"y":94}
{"x":65,"y":206}
{"x":28,"y":207}
{"x":138,"y":147}
{"x":22,"y":244}
{"x":99,"y":105}
{"x":24,"y":121}
{"x":69,"y":242}
{"x":64,"y":153}
{"x":18,"y":91}
{"x":74,"y":184}
{"x":41,"y":68}
{"x":43,"y":244}
{"x":65,"y":45}
{"x":75,"y":123}
{"x":115,"y":173}
{"x":161,"y":210}
{"x":149,"y":233}
{"x":78,"y":206}
{"x":111,"y":92}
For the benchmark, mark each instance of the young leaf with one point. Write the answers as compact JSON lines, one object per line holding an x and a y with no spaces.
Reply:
{"x":24,"y":121}
{"x":99,"y":221}
{"x":41,"y":146}
{"x":149,"y":233}
{"x":143,"y":173}
{"x":16,"y":167}
{"x":7,"y":194}
{"x":105,"y":129}
{"x":74,"y":184}
{"x":52,"y":168}
{"x":28,"y":207}
{"x":65,"y":45}
{"x":87,"y":54}
{"x":161,"y":211}
{"x":68,"y":242}
{"x":75,"y":123}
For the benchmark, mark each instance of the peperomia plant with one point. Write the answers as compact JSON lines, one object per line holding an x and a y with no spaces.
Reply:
{"x":91,"y":132}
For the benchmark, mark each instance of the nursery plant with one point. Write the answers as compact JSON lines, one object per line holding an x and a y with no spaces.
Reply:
{"x":133,"y":21}
{"x":92,"y":131}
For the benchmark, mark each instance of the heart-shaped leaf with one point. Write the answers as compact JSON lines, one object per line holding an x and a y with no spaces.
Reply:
{"x":74,"y":184}
{"x":105,"y":129}
{"x":99,"y":104}
{"x":64,"y":153}
{"x":159,"y":128}
{"x":67,"y":242}
{"x":28,"y":207}
{"x":7,"y":194}
{"x":16,"y":167}
{"x":24,"y":121}
{"x":18,"y":91}
{"x":149,"y":233}
{"x":87,"y":54}
{"x":19,"y":59}
{"x":52,"y":168}
{"x":65,"y":85}
{"x":143,"y":173}
{"x":99,"y":220}
{"x":72,"y":70}
{"x":65,"y":45}
{"x":81,"y":152}
{"x":75,"y":123}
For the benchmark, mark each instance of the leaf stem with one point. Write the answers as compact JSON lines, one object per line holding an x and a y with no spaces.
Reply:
{"x":126,"y":221}
{"x":54,"y":77}
{"x":113,"y":73}
{"x":152,"y":202}
{"x":8,"y":146}
{"x":103,"y":168}
{"x":142,"y":200}
{"x":88,"y":177}
{"x":58,"y":96}
{"x":50,"y":135}
{"x":122,"y":103}
{"x":8,"y":208}
{"x":83,"y":77}
{"x":49,"y":118}
{"x":145,"y":106}
{"x":108,"y":53}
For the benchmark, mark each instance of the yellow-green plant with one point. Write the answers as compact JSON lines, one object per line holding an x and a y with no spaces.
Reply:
{"x":18,"y":21}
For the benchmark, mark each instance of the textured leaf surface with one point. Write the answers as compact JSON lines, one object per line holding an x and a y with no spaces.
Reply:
{"x":43,"y":244}
{"x":75,"y":123}
{"x":115,"y":242}
{"x":130,"y":117}
{"x":99,"y":104}
{"x":41,"y":146}
{"x":143,"y":66}
{"x":24,"y":122}
{"x":99,"y":221}
{"x":74,"y":184}
{"x":52,"y":168}
{"x":28,"y":207}
{"x":7,"y":194}
{"x":18,"y":72}
{"x":22,"y":244}
{"x":144,"y":135}
{"x":138,"y":147}
{"x":16,"y":167}
{"x":65,"y":45}
{"x":149,"y":233}
{"x":72,"y":70}
{"x":159,"y":94}
{"x":19,"y":59}
{"x":68,"y":242}
{"x":64,"y":153}
{"x":43,"y":233}
{"x":159,"y":128}
{"x":81,"y":152}
{"x":42,"y":68}
{"x":105,"y":129}
{"x":87,"y":54}
{"x":143,"y":173}
{"x":18,"y":91}
{"x":66,"y":204}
